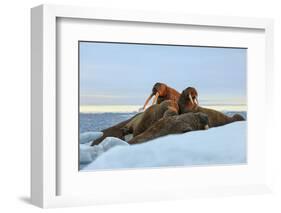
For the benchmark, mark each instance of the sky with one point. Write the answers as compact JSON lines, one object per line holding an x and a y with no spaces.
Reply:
{"x":124,"y":74}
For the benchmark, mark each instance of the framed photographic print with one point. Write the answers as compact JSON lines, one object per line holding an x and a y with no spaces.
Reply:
{"x":130,"y":106}
{"x":109,"y":106}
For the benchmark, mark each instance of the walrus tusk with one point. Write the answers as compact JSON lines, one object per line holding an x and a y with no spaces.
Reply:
{"x":190,"y":98}
{"x":206,"y":126}
{"x":196,"y":101}
{"x":147,"y":100}
{"x":155,"y":98}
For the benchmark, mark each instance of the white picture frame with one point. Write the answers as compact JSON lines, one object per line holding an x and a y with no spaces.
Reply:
{"x":45,"y":169}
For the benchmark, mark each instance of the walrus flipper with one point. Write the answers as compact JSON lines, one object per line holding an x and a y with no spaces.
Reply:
{"x":116,"y":131}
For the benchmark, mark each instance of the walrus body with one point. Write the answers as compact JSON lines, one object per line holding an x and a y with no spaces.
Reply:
{"x":216,"y":118}
{"x":150,"y":116}
{"x":173,"y":125}
{"x":132,"y":124}
{"x":116,"y":130}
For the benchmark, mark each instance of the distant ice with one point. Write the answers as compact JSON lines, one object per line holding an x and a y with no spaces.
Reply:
{"x":222,"y":145}
{"x":109,"y":108}
{"x":137,"y":108}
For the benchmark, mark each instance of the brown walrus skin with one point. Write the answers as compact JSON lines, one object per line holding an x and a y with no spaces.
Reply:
{"x":188,"y":100}
{"x":165,"y":92}
{"x":150,"y":116}
{"x":114,"y":131}
{"x":216,"y":118}
{"x":162,"y":92}
{"x":130,"y":126}
{"x":173,"y":125}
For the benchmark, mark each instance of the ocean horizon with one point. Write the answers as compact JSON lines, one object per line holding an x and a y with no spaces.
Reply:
{"x":135,"y":108}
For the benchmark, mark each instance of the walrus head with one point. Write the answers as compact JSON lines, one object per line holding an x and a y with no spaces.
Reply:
{"x":158,"y":90}
{"x":188,"y":100}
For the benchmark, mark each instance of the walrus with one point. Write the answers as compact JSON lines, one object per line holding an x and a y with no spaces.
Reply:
{"x":187,"y":104}
{"x":150,"y":116}
{"x":132,"y":125}
{"x":173,"y":125}
{"x":116,"y":130}
{"x":162,"y":92}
